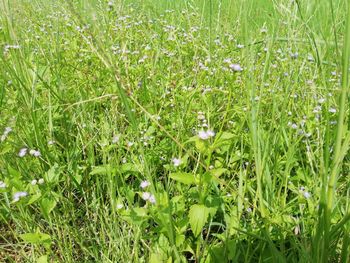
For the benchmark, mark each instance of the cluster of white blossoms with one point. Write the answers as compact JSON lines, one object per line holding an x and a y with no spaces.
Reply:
{"x":176,"y":162}
{"x":35,"y":181}
{"x":147,"y":196}
{"x":5,"y":134}
{"x":205,"y":135}
{"x":23,"y":152}
{"x":2,"y":185}
{"x":18,"y":195}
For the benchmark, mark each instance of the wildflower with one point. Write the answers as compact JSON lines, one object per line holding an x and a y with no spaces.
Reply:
{"x":35,"y":153}
{"x":204,"y":135}
{"x":236,"y":67}
{"x":145,"y":196}
{"x":51,"y":142}
{"x":41,"y":181}
{"x":152,"y":199}
{"x":306,"y":195}
{"x":115,"y":138}
{"x":2,"y":185}
{"x":120,"y":206}
{"x":22,"y":152}
{"x":211,"y":133}
{"x":19,"y":195}
{"x":176,"y":161}
{"x":294,"y":126}
{"x":34,"y":182}
{"x":332,"y":110}
{"x":145,"y":184}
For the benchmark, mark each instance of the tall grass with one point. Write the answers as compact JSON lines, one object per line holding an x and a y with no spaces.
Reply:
{"x":174,"y":131}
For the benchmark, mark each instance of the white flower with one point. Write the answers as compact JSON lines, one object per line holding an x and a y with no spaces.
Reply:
{"x":152,"y":199}
{"x":120,"y":206}
{"x":18,"y":195}
{"x":22,"y":152}
{"x":35,"y":153}
{"x":332,"y":110}
{"x":115,"y":138}
{"x":204,"y":135}
{"x":210,"y":133}
{"x":176,"y":161}
{"x":146,"y":195}
{"x":41,"y":181}
{"x":34,"y":182}
{"x":236,"y":67}
{"x":307,"y":195}
{"x":145,"y":184}
{"x":2,"y":185}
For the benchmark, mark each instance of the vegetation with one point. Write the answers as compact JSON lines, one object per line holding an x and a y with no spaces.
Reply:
{"x":174,"y":131}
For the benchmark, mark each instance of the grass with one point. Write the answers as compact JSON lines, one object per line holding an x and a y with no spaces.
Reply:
{"x":174,"y":131}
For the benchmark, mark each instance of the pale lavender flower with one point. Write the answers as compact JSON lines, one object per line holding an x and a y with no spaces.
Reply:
{"x":22,"y":152}
{"x":41,"y":181}
{"x":2,"y":185}
{"x":35,"y":153}
{"x":176,"y":161}
{"x":145,"y":196}
{"x":332,"y":110}
{"x":19,"y":195}
{"x":34,"y":182}
{"x":307,"y":195}
{"x":115,"y":138}
{"x":152,"y":199}
{"x":236,"y":67}
{"x":145,"y":184}
{"x":203,"y":135}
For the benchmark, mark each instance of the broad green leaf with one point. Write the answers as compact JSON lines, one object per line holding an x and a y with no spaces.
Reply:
{"x":185,"y":178}
{"x":198,"y":216}
{"x":129,"y":167}
{"x":52,"y":175}
{"x":36,"y":238}
{"x":201,"y":145}
{"x":34,"y":198}
{"x":47,"y":205}
{"x":42,"y":259}
{"x":101,"y":170}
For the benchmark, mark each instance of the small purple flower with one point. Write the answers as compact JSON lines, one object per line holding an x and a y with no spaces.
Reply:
{"x":145,"y":184}
{"x":19,"y":195}
{"x":152,"y":199}
{"x":22,"y":152}
{"x":176,"y":161}
{"x":2,"y":185}
{"x":145,"y":196}
{"x":236,"y":67}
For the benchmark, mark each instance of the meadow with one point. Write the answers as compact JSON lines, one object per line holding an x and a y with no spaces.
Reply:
{"x":174,"y":131}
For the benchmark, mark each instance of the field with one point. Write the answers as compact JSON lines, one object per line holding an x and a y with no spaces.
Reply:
{"x":174,"y":131}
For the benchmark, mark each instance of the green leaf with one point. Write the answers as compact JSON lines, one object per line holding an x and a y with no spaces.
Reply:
{"x":52,"y":175}
{"x":185,"y":178}
{"x":201,"y":145}
{"x":48,"y":205}
{"x":101,"y":170}
{"x":34,"y":198}
{"x":42,"y":259}
{"x":129,"y":167}
{"x":198,"y":216}
{"x":36,"y":238}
